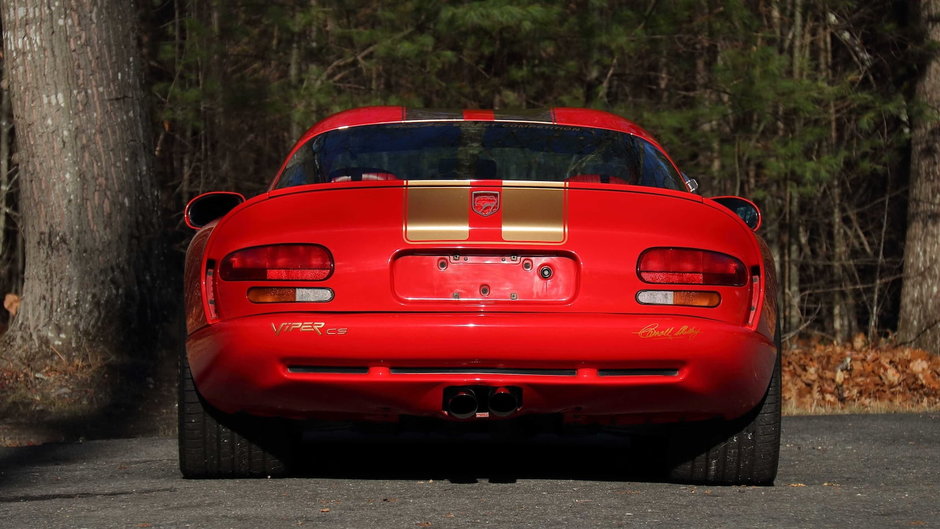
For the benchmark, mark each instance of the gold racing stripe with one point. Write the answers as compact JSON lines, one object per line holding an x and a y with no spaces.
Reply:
{"x":532,"y":212}
{"x":437,"y":213}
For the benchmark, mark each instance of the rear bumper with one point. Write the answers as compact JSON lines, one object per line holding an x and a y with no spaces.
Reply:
{"x":587,"y":367}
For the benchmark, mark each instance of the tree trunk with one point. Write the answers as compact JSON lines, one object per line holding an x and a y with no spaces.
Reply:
{"x":920,"y":294}
{"x":88,"y":199}
{"x":7,"y":258}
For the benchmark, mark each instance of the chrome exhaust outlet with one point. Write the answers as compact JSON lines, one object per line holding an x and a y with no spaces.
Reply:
{"x":503,"y":401}
{"x":461,"y":404}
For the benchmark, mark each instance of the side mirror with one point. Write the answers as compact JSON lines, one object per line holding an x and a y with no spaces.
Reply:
{"x":208,"y":207}
{"x":742,"y":207}
{"x":691,"y":182}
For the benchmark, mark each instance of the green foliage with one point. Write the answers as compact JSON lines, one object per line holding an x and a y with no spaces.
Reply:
{"x":784,"y":106}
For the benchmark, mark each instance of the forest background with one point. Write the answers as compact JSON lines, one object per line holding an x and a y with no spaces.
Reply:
{"x":807,"y":107}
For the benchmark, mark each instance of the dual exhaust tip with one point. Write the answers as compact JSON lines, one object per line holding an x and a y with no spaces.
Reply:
{"x":466,"y":402}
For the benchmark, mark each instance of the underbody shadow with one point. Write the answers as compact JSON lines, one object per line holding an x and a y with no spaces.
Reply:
{"x":474,"y":456}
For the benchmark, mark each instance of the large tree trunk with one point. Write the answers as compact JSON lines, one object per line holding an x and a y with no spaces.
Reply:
{"x":920,"y":294}
{"x":88,"y":200}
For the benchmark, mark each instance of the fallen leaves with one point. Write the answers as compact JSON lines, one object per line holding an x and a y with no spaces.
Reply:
{"x":11,"y":302}
{"x":819,"y":377}
{"x":57,"y":389}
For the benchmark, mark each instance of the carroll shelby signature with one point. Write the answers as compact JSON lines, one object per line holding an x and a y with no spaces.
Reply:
{"x":669,"y":333}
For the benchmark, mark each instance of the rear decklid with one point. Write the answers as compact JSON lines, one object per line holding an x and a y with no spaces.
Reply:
{"x":486,"y":246}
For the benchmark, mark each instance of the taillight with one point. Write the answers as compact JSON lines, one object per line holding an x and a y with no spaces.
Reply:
{"x":211,"y":310}
{"x":687,"y":266}
{"x":289,"y":295}
{"x":688,"y":298}
{"x":279,"y":262}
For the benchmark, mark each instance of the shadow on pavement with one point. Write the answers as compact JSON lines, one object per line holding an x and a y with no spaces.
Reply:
{"x":471,"y":457}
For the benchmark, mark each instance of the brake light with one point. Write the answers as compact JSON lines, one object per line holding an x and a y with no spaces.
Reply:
{"x":280,"y":262}
{"x":687,"y":266}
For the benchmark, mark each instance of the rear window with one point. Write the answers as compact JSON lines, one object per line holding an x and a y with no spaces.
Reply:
{"x":478,"y":150}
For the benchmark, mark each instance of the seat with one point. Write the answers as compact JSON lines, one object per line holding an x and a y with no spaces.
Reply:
{"x":360,"y":174}
{"x":483,"y":169}
{"x":597,"y":179}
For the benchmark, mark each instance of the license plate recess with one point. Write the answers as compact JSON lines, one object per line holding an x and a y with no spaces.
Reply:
{"x":485,"y":278}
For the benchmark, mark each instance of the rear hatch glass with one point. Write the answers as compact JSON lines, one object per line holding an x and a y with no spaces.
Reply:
{"x":479,"y":150}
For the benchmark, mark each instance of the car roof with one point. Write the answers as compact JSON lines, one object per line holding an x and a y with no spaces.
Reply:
{"x":576,"y":117}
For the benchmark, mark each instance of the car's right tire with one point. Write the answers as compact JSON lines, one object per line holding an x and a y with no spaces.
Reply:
{"x":743,"y":451}
{"x":213,"y":444}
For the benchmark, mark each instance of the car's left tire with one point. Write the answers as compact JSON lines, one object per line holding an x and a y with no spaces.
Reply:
{"x":213,"y":444}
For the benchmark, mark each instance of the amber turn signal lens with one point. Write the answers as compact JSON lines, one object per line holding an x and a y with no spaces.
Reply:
{"x":697,"y":299}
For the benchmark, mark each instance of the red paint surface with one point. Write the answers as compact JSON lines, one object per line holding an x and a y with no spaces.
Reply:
{"x":242,"y":365}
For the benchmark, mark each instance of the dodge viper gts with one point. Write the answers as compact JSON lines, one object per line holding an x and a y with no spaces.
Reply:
{"x":479,"y":267}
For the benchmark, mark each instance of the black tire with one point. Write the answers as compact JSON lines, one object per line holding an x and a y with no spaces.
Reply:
{"x":744,"y":451}
{"x":216,"y":445}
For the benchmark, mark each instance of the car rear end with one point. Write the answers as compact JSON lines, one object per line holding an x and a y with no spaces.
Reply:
{"x":467,"y":269}
{"x":350,"y":301}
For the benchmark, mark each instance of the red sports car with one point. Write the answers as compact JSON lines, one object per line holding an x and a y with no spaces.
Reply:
{"x":479,"y":266}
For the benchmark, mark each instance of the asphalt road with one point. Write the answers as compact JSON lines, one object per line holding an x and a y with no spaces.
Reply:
{"x":871,"y":471}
